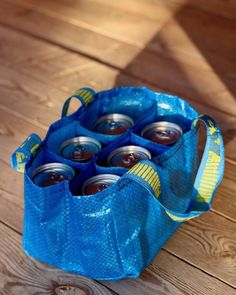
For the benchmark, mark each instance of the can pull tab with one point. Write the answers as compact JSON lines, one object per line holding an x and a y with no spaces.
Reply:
{"x":24,"y":152}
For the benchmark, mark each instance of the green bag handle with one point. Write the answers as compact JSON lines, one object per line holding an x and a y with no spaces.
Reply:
{"x":84,"y":95}
{"x":208,"y":177}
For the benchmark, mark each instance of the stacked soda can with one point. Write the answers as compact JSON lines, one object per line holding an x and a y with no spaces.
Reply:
{"x":82,"y":149}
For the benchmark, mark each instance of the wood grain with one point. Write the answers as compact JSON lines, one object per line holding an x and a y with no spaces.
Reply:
{"x":147,"y":8}
{"x":210,"y":245}
{"x":224,"y":199}
{"x":217,"y":7}
{"x":22,"y":93}
{"x":20,"y":273}
{"x":11,"y":208}
{"x":209,"y":85}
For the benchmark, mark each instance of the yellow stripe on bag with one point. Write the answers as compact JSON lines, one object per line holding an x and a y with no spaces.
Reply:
{"x":148,"y":174}
{"x":86,"y":95}
{"x":34,"y":148}
{"x":177,"y":218}
{"x":136,"y":169}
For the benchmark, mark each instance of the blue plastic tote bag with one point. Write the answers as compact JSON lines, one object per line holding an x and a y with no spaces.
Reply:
{"x":116,"y":232}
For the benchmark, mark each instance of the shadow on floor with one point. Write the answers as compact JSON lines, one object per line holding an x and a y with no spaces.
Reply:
{"x":157,"y":65}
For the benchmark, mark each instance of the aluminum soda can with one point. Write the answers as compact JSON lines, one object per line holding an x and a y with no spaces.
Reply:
{"x":80,"y":149}
{"x":113,"y":124}
{"x":52,"y":173}
{"x":98,"y":183}
{"x":128,"y":156}
{"x":162,"y":132}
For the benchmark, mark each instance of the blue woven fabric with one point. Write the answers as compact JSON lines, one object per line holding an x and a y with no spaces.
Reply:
{"x":117,"y":232}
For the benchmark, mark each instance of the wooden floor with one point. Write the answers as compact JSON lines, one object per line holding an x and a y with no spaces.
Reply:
{"x":50,"y":48}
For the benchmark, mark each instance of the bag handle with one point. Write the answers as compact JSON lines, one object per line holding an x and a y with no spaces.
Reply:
{"x":145,"y":174}
{"x":211,"y":169}
{"x":208,"y":177}
{"x":25,"y":151}
{"x":84,"y":95}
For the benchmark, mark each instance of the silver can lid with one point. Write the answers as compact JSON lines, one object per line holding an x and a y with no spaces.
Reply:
{"x":80,"y":149}
{"x":52,"y":173}
{"x":128,"y":156}
{"x":98,"y":183}
{"x":162,"y":132}
{"x":113,"y":124}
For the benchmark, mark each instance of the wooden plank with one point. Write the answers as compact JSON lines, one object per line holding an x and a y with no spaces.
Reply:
{"x":224,"y":199}
{"x":83,"y":72}
{"x":8,"y":176}
{"x":15,"y":129}
{"x":11,"y":208}
{"x":207,"y":239}
{"x":169,"y":270}
{"x":130,"y":27}
{"x":10,"y":42}
{"x":31,"y":98}
{"x":138,"y":20}
{"x":210,"y":245}
{"x":91,"y":74}
{"x":146,"y":8}
{"x":207,"y":85}
{"x":219,"y":7}
{"x":20,"y":273}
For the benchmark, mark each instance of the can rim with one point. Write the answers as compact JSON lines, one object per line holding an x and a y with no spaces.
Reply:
{"x":115,"y":116}
{"x":55,"y":165}
{"x":128,"y":148}
{"x":162,"y":124}
{"x":94,"y":179}
{"x":82,"y":140}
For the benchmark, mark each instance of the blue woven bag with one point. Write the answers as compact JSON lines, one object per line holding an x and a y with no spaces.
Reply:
{"x":117,"y":232}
